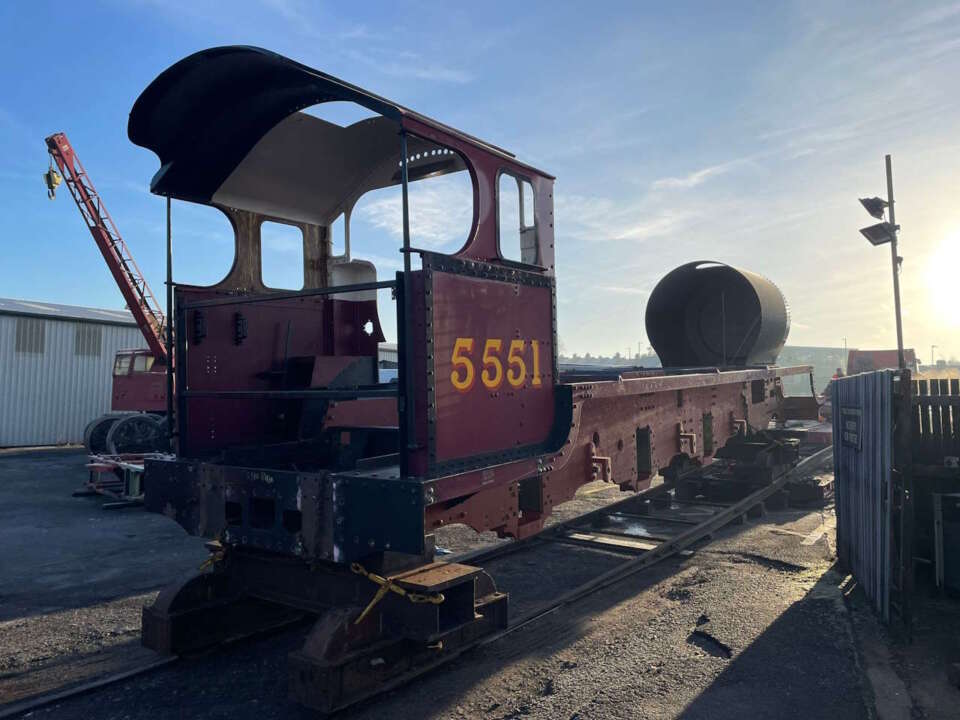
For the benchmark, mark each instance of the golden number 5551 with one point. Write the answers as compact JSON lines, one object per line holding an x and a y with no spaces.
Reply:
{"x":493,"y":372}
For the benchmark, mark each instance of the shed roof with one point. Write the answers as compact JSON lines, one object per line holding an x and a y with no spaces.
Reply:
{"x":56,"y":311}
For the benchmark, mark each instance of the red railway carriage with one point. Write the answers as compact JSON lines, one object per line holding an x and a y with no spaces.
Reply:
{"x":286,"y":440}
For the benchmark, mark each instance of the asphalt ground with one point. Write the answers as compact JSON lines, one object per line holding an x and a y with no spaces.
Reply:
{"x":752,"y":624}
{"x":74,"y":577}
{"x":60,"y":552}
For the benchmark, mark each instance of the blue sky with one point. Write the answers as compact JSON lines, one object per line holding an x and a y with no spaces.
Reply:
{"x":739,"y":132}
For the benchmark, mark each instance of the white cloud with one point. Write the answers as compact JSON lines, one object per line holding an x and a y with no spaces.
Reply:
{"x":596,"y":218}
{"x":441,"y":212}
{"x":932,"y":16}
{"x":692,"y":180}
{"x":667,"y":222}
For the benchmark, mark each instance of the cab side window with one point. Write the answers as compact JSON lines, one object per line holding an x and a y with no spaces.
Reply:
{"x":281,"y":255}
{"x":121,"y":365}
{"x":516,"y":224}
{"x":142,"y":363}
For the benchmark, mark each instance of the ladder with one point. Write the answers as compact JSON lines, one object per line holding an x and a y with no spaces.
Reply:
{"x":133,"y":285}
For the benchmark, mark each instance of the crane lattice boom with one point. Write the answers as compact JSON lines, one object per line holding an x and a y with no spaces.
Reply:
{"x":133,"y":285}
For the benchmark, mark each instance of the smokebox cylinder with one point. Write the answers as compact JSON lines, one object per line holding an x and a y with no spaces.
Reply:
{"x":707,"y":314}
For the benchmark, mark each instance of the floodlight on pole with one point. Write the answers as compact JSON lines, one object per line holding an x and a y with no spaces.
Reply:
{"x":882,"y":233}
{"x":875,"y":206}
{"x":879,"y":234}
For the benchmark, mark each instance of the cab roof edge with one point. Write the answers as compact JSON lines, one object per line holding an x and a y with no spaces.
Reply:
{"x":206,"y":111}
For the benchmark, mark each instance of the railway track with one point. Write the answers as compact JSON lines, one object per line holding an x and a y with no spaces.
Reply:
{"x":642,"y":530}
{"x":621,"y":539}
{"x":647,"y":534}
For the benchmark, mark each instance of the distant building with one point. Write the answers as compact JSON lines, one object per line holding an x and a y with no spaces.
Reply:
{"x":860,"y":361}
{"x":588,"y":360}
{"x":387,"y":355}
{"x":56,"y":363}
{"x":825,"y":361}
{"x":941,"y":370}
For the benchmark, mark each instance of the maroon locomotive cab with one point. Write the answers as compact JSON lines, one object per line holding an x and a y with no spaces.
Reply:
{"x":488,"y":362}
{"x":139,"y":383}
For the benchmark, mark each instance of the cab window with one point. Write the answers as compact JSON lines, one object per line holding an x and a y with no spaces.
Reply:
{"x":142,"y":363}
{"x":281,"y":256}
{"x":121,"y":365}
{"x":516,"y":224}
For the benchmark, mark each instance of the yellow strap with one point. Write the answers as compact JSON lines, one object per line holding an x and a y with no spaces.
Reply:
{"x":217,"y":555}
{"x":212,"y":560}
{"x":387,"y":585}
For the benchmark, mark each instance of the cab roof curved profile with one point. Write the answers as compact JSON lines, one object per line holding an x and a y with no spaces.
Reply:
{"x":227,"y":126}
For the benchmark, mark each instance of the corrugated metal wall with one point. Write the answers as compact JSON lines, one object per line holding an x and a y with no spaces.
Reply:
{"x":863,"y":417}
{"x":55,"y":376}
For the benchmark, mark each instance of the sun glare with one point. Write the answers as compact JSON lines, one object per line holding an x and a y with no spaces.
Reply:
{"x":941,"y":281}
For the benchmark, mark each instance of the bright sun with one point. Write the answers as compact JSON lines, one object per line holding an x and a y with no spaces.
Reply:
{"x":942,"y":281}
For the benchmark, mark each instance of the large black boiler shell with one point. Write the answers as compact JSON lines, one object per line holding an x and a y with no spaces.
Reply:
{"x":708,"y":314}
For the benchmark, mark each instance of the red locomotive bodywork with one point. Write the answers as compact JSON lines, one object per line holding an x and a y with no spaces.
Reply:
{"x":139,"y":384}
{"x":286,"y":440}
{"x":488,"y":371}
{"x":501,"y":403}
{"x":281,"y":346}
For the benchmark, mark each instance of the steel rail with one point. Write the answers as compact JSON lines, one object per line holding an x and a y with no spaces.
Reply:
{"x":622,"y":571}
{"x":360,"y":393}
{"x":28,"y":705}
{"x":482,"y":555}
{"x":630,"y":567}
{"x":671,"y":547}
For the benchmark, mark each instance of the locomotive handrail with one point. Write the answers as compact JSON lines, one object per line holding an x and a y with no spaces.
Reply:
{"x":293,"y":295}
{"x":506,"y":262}
{"x":581,"y":369}
{"x":373,"y":391}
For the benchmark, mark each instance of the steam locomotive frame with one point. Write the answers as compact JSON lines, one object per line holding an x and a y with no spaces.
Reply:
{"x":314,"y":478}
{"x":286,"y":441}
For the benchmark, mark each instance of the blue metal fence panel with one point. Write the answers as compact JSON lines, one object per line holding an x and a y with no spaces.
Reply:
{"x":863,"y":422}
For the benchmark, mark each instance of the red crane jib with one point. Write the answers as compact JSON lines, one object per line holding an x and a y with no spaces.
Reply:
{"x":133,"y":285}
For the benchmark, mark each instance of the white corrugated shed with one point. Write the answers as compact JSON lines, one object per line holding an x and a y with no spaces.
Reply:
{"x":56,"y":364}
{"x":387,"y":352}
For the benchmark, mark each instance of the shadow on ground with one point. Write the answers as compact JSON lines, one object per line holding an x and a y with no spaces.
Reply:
{"x":812,"y":649}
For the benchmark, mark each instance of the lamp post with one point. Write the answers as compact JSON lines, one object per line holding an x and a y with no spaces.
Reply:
{"x":886,"y":232}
